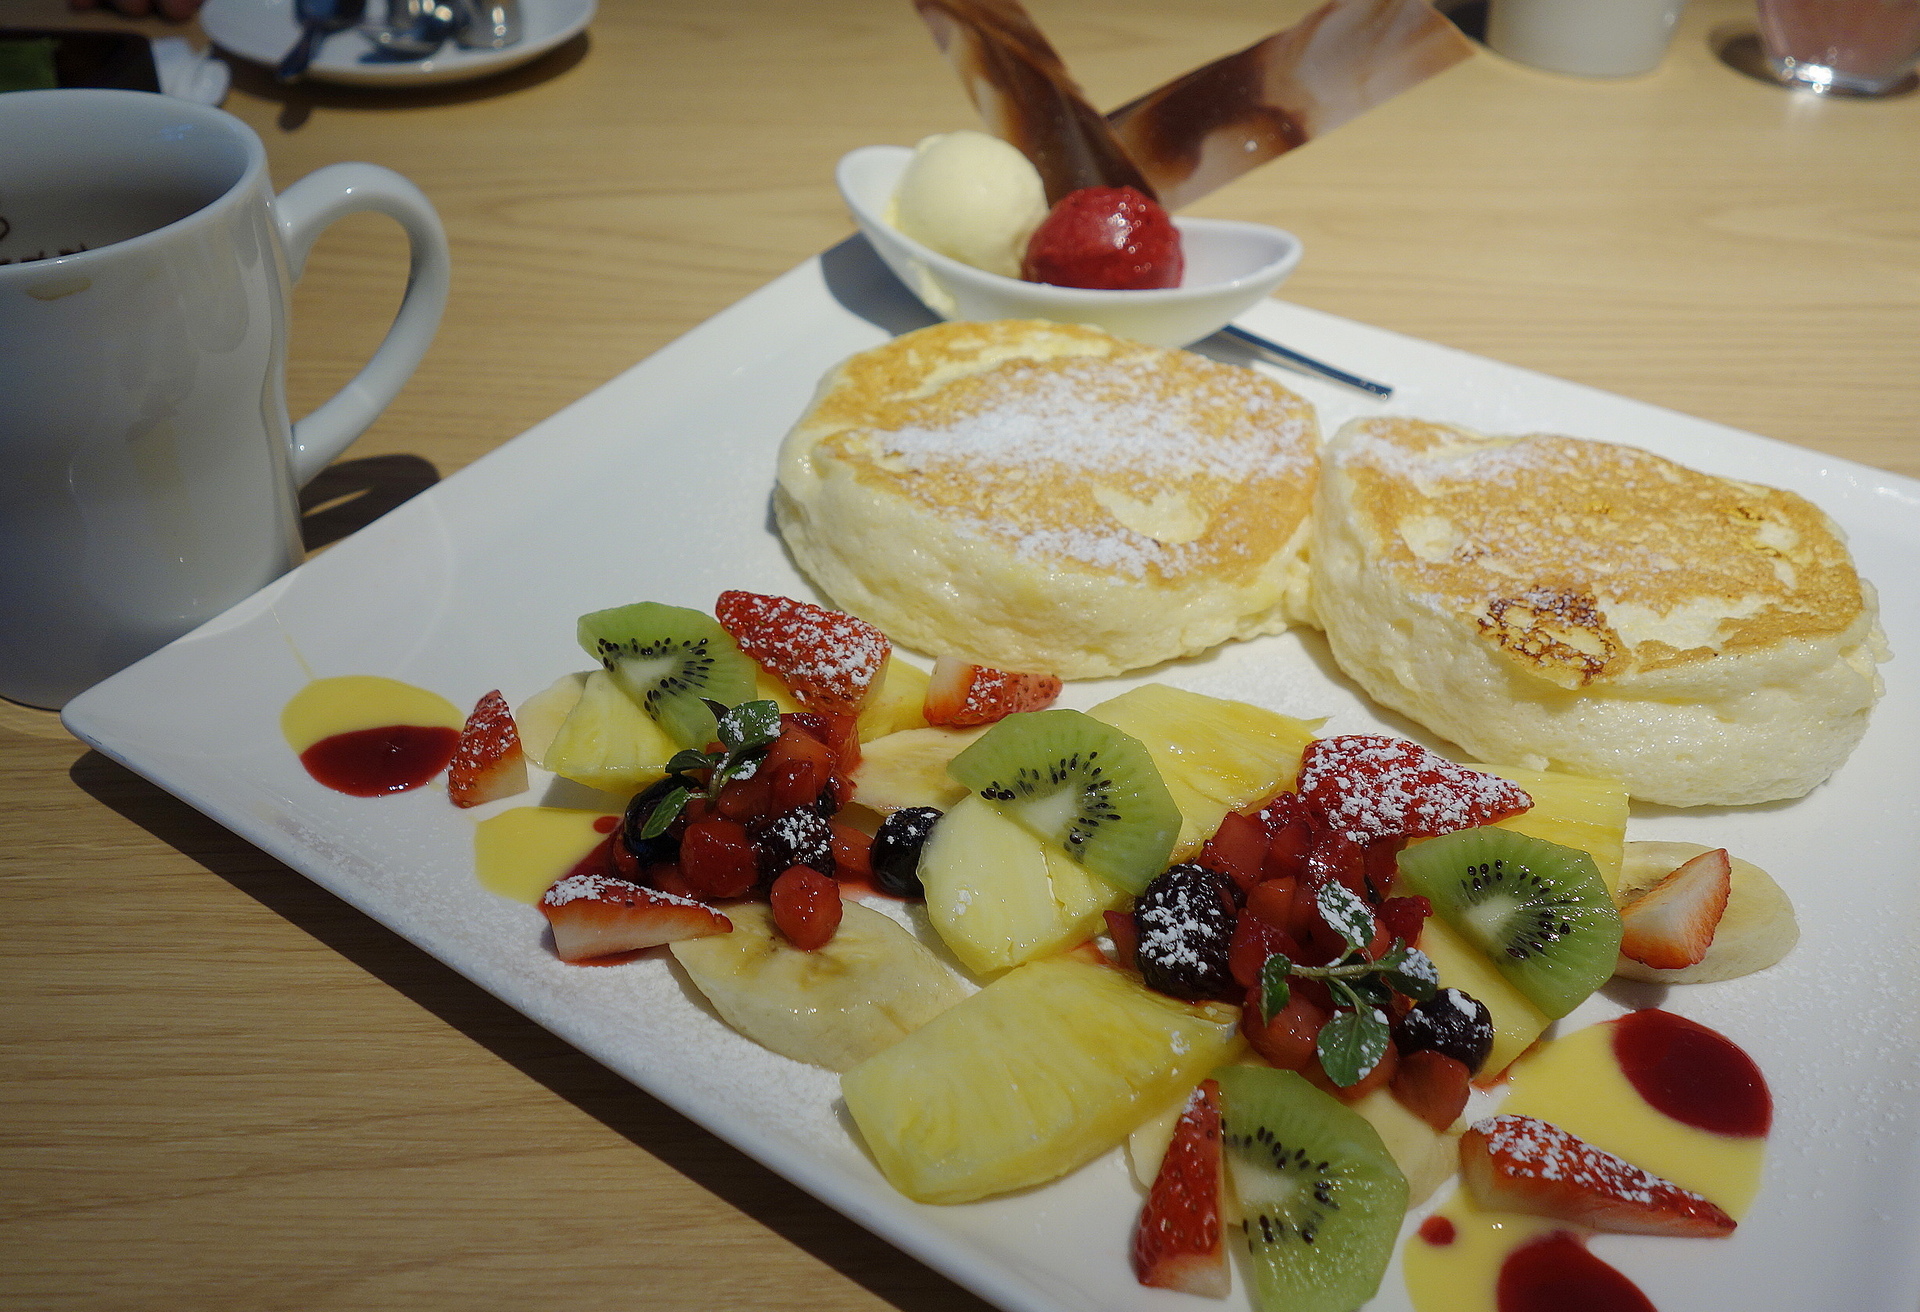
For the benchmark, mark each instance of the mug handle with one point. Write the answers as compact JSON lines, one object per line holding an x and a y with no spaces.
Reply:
{"x":303,"y":211}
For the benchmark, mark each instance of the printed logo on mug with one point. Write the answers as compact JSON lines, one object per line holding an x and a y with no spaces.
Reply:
{"x":152,"y":472}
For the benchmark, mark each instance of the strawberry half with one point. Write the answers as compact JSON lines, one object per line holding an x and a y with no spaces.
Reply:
{"x":1371,"y":787}
{"x":963,"y":694}
{"x":828,"y":659}
{"x":487,"y":762}
{"x":1671,"y":925}
{"x":1520,"y":1164}
{"x":1177,"y":1243}
{"x":598,"y":916}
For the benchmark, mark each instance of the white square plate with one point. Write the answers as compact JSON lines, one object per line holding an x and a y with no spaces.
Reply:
{"x":657,"y":486}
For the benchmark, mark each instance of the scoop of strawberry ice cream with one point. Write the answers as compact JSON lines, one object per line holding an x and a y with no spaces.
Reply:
{"x":1114,"y":238}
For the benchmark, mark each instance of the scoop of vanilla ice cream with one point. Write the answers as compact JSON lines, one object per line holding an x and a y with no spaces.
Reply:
{"x":972,"y":197}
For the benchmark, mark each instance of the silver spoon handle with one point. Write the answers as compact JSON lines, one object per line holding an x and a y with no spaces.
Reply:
{"x":1307,"y":362}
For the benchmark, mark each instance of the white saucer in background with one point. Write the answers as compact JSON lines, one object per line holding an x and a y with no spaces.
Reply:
{"x":264,"y":30}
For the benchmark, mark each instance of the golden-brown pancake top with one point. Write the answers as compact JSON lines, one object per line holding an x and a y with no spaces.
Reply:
{"x":1584,"y":561}
{"x":1079,"y":450}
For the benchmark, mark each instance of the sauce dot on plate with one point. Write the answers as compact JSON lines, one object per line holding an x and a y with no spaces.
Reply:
{"x":1693,"y":1074}
{"x":1556,"y":1273}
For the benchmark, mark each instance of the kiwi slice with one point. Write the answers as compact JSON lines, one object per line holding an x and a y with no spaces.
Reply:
{"x":1080,"y":784}
{"x":1322,"y":1197}
{"x":1539,"y":911}
{"x":668,"y":658}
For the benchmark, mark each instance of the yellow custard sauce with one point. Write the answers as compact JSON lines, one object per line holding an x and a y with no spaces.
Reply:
{"x":352,"y":702}
{"x":522,"y":853}
{"x":1645,"y":1088}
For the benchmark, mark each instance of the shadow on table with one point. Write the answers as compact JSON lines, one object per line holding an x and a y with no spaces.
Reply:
{"x":298,"y":100}
{"x":652,"y":1126}
{"x":353,"y":493}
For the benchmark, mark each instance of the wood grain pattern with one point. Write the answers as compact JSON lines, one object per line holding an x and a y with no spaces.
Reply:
{"x":224,"y":1089}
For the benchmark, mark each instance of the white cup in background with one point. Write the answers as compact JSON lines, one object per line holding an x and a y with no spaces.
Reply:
{"x":148,"y":471}
{"x":1590,"y":38}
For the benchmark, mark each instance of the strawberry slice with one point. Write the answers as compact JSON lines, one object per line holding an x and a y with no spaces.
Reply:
{"x":964,"y":694}
{"x":1520,"y":1164}
{"x":1433,"y":1086}
{"x":1371,"y":787}
{"x":487,"y":761}
{"x":1671,"y":925}
{"x":1177,"y":1243}
{"x":828,"y":659}
{"x":597,"y":916}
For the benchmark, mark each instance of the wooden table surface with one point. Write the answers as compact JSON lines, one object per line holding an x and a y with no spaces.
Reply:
{"x":224,"y":1089}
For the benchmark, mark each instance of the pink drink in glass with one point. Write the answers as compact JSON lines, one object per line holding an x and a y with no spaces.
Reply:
{"x":1856,"y":47}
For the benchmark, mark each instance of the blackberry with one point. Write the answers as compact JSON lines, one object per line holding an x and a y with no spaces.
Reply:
{"x":896,"y":851}
{"x":1451,"y":1022}
{"x":800,"y":837}
{"x":1185,"y":922}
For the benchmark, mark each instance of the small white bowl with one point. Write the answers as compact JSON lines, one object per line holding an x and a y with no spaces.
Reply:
{"x":1229,"y":267}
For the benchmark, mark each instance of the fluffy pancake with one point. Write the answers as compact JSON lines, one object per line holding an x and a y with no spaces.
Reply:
{"x":1594,"y":608}
{"x":1042,"y":496}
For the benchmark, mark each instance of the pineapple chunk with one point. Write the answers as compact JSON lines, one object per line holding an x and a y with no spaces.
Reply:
{"x":607,"y":741}
{"x":871,"y":985}
{"x":1516,"y":1021}
{"x":998,"y":896}
{"x":1035,"y":1075}
{"x":1215,"y":755}
{"x":540,"y":716}
{"x":909,"y":768}
{"x":1573,"y":811}
{"x":898,"y":703}
{"x":769,"y":689}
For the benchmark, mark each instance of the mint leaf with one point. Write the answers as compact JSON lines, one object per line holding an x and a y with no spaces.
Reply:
{"x":749,"y":725}
{"x":687,"y":760}
{"x":664,"y":811}
{"x":1274,"y":990}
{"x":1351,"y":1044}
{"x":1345,"y":914}
{"x":1409,"y":970}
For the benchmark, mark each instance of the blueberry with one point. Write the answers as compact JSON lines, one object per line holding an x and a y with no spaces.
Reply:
{"x":1452,"y":1023}
{"x":896,"y":851}
{"x":1185,"y":923}
{"x":662,"y":848}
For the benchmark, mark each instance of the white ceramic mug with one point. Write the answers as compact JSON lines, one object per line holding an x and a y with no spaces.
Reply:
{"x":1589,"y":38}
{"x":148,"y":471}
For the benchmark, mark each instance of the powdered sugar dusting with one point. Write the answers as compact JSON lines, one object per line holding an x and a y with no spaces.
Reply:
{"x":1370,"y":786}
{"x":1594,"y":1186}
{"x":1037,"y":454}
{"x":605,"y":888}
{"x":828,"y":658}
{"x":1092,"y":415}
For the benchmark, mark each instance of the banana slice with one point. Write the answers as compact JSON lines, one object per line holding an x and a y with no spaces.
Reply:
{"x":834,"y":1007}
{"x":1756,"y":930}
{"x":909,"y":768}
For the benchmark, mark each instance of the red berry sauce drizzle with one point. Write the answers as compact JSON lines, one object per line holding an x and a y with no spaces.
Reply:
{"x":1692,"y":1074}
{"x":1556,"y":1273}
{"x":375,"y":762}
